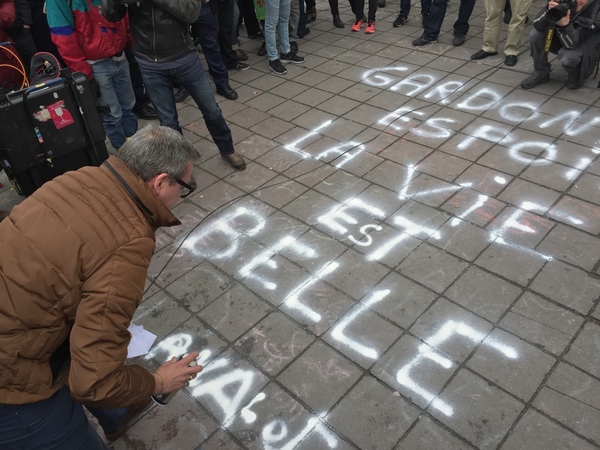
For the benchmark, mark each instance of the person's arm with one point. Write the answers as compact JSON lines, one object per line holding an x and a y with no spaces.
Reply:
{"x":112,"y":10}
{"x":99,"y":338}
{"x":7,"y":14}
{"x":62,"y":31}
{"x":186,"y":11}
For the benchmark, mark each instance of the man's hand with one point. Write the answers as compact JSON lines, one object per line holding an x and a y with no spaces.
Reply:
{"x":174,"y":374}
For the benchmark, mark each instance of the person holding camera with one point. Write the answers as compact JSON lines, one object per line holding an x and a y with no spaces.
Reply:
{"x":572,"y":30}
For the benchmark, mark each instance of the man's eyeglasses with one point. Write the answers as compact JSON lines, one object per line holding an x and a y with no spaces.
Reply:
{"x":186,"y":189}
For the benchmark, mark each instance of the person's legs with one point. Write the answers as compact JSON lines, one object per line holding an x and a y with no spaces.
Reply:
{"x":271,"y":21}
{"x":491,"y":32}
{"x":250,"y":19}
{"x":206,"y":29}
{"x":104,"y":72}
{"x":283,"y":25}
{"x":192,"y":77}
{"x":126,"y":96}
{"x":56,"y":423}
{"x":433,"y":24}
{"x":461,"y":26}
{"x":160,"y":86}
{"x":223,"y":10}
{"x":404,"y":8}
{"x":537,"y":41}
{"x":372,"y":10}
{"x":294,"y":19}
{"x":515,"y":27}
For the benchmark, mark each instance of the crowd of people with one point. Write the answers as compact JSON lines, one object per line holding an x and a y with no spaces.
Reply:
{"x":64,"y":320}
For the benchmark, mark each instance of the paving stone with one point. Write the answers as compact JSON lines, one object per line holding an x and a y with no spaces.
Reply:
{"x":517,"y":263}
{"x":405,"y":301}
{"x":461,"y":239}
{"x":572,"y":398}
{"x":584,"y":352}
{"x":577,"y":213}
{"x":480,"y":412}
{"x":372,"y":417}
{"x":160,"y":315}
{"x":415,"y":370}
{"x":272,"y":412}
{"x":235,"y":312}
{"x":357,"y":285}
{"x":274,"y":342}
{"x":444,"y":166}
{"x":200,"y":286}
{"x":389,"y":175}
{"x":451,"y":329}
{"x":427,"y":434}
{"x":536,"y":432}
{"x":511,"y":363}
{"x":474,"y":207}
{"x":316,"y":305}
{"x":542,"y":323}
{"x":428,"y":190}
{"x":587,"y":188}
{"x":386,"y":245}
{"x":568,"y":286}
{"x":352,"y":335}
{"x":417,"y":219}
{"x":220,"y":440}
{"x":319,"y":364}
{"x":180,"y":425}
{"x":522,"y":227}
{"x":432,"y":267}
{"x":484,"y":180}
{"x":226,"y":385}
{"x":571,"y":246}
{"x":314,"y":251}
{"x":483,"y":293}
{"x":552,"y":175}
{"x":310,"y":206}
{"x":529,"y":196}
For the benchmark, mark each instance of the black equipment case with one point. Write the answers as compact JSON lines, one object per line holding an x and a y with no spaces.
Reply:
{"x":49,"y":129}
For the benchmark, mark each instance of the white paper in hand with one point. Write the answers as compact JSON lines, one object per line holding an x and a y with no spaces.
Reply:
{"x":141,"y":341}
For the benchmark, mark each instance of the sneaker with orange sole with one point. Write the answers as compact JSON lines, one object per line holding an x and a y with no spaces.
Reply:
{"x":357,"y":25}
{"x":370,"y":27}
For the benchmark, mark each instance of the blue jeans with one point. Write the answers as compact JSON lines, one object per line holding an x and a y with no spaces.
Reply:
{"x":117,"y":98}
{"x":277,"y":19}
{"x":206,"y":30}
{"x":58,"y":422}
{"x":405,"y":7}
{"x":191,"y":76}
{"x":433,"y":24}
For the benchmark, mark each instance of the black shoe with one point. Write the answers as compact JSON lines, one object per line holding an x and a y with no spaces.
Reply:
{"x":422,"y":41}
{"x":277,"y":67}
{"x":262,"y":51}
{"x":337,"y":22}
{"x":146,"y":113}
{"x":510,"y":60}
{"x":240,"y":54}
{"x":240,"y":66}
{"x":258,"y":35}
{"x":291,"y":58}
{"x":400,"y":20}
{"x":304,"y":33}
{"x":235,"y":160}
{"x":574,"y":78}
{"x":227,"y":92}
{"x":181,"y":95}
{"x":458,"y":39}
{"x":294,"y":47}
{"x":534,"y":79}
{"x":481,"y":54}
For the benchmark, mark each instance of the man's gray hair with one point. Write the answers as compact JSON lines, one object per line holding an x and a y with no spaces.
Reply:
{"x":155,"y":149}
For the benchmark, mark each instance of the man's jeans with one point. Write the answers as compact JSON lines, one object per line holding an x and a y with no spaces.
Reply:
{"x":58,"y":422}
{"x":117,"y":98}
{"x":433,"y":24}
{"x":569,"y":58}
{"x":191,"y":76}
{"x":277,"y":19}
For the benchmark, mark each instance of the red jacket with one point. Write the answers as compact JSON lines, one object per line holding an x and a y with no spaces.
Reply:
{"x":81,"y":33}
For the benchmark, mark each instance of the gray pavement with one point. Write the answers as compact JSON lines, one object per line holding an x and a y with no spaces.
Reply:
{"x":409,"y":261}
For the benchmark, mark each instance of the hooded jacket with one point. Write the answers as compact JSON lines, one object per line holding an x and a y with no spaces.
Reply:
{"x":82,"y":34}
{"x":73,"y":267}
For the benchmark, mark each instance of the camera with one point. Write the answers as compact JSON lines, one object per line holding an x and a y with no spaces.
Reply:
{"x":560,"y":11}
